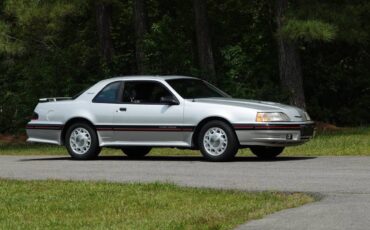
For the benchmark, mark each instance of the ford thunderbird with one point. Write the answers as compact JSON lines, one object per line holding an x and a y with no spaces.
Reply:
{"x":138,"y":113}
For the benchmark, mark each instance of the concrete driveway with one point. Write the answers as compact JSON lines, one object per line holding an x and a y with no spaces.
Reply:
{"x":343,"y":183}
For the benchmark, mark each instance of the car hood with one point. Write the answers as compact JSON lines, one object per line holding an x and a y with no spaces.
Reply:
{"x":295,"y":114}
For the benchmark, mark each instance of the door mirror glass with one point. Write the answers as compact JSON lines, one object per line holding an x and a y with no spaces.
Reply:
{"x":169,"y":100}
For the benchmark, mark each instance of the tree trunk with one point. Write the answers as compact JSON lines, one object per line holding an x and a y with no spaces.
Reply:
{"x":141,"y":28}
{"x":104,"y":23}
{"x":290,"y":70}
{"x":205,"y":53}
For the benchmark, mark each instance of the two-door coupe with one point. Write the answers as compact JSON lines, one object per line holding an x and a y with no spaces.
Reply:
{"x":140,"y":112}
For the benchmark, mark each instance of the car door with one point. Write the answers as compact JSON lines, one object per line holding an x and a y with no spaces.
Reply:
{"x":143,"y":118}
{"x":103,"y":107}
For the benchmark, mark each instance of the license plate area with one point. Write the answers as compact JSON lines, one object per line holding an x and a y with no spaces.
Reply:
{"x":307,"y":130}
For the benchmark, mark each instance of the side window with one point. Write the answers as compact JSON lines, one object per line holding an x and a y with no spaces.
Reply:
{"x":144,"y":92}
{"x":109,"y":94}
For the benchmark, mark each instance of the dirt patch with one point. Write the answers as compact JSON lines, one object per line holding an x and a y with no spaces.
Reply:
{"x":13,"y":139}
{"x":321,"y":126}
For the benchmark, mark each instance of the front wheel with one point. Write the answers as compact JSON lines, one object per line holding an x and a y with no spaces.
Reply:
{"x":82,"y":142}
{"x":217,"y":141}
{"x":265,"y":152}
{"x":136,"y":151}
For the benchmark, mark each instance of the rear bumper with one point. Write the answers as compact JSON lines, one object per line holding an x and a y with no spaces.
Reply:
{"x":287,"y":134}
{"x":41,"y":133}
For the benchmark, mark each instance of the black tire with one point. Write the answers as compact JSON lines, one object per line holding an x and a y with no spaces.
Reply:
{"x":231,"y":147}
{"x":267,"y":153}
{"x":93,"y":150}
{"x":136,"y":152}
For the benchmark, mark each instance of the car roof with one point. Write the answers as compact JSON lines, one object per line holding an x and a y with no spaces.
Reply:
{"x":147,"y":77}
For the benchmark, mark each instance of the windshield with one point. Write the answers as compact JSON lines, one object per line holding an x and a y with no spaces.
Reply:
{"x":195,"y":88}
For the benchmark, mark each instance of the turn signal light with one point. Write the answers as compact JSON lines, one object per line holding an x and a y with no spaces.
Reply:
{"x":271,"y":117}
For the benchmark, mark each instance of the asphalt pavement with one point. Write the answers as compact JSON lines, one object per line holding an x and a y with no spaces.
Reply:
{"x":341,"y":183}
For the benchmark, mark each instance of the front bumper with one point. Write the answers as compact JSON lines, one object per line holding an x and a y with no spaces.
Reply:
{"x":273,"y":134}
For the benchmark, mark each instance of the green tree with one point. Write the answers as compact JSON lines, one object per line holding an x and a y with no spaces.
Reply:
{"x":59,"y":47}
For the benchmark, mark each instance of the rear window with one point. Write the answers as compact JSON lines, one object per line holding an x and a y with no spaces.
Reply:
{"x":80,"y":93}
{"x":109,"y":94}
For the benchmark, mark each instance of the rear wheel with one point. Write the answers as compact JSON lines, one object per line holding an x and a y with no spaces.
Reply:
{"x":265,"y":152}
{"x":82,"y":141}
{"x":217,"y":141}
{"x":136,"y":151}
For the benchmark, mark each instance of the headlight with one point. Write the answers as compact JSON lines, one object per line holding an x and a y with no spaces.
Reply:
{"x":308,"y":118}
{"x":271,"y":117}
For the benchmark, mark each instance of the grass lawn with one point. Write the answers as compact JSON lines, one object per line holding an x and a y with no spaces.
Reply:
{"x":98,"y":205}
{"x":343,"y":142}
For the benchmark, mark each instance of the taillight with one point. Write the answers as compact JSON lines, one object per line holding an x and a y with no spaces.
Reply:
{"x":35,"y":116}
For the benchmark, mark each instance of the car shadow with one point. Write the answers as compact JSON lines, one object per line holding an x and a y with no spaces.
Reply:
{"x":170,"y":158}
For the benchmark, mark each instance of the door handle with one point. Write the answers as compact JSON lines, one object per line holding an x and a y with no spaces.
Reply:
{"x":122,"y":109}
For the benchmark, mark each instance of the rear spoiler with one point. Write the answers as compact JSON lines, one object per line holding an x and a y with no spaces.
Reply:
{"x":54,"y":99}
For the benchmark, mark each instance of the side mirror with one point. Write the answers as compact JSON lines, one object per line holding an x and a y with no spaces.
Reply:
{"x":169,"y":100}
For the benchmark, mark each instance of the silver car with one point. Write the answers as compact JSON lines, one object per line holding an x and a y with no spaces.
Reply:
{"x":140,"y":112}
